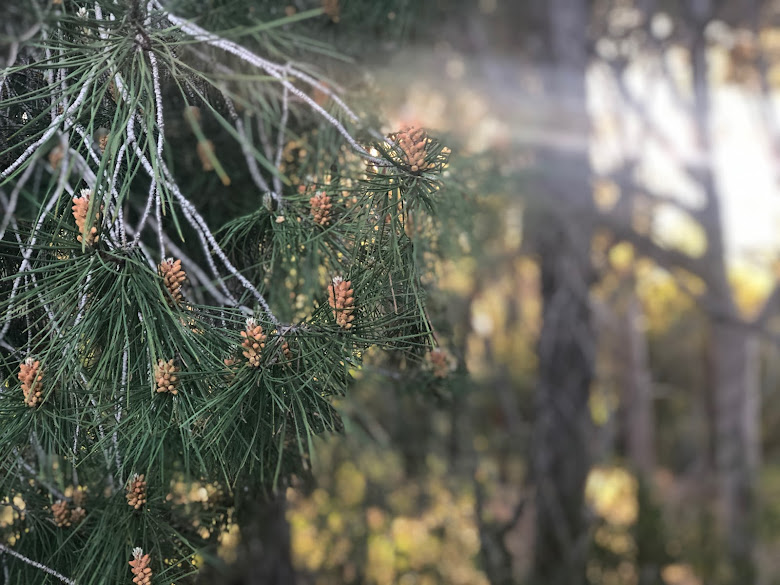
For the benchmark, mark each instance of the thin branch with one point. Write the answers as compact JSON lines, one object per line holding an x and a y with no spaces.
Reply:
{"x":280,"y":138}
{"x":64,"y":116}
{"x":36,"y":564}
{"x":160,"y":140}
{"x":276,"y":71}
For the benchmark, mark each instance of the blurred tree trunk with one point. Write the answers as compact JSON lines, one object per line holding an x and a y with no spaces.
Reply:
{"x":735,"y":400}
{"x":265,"y":553}
{"x":636,"y":384}
{"x":566,"y":345}
{"x":736,"y":443}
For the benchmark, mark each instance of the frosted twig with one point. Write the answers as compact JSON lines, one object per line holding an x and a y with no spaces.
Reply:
{"x":158,"y":111}
{"x":36,"y":564}
{"x":83,"y":299}
{"x":119,"y":156}
{"x":158,"y":215}
{"x":147,"y":210}
{"x":28,"y":252}
{"x":172,"y":185}
{"x":99,"y":16}
{"x":193,"y":268}
{"x":246,"y":148}
{"x":280,"y":137}
{"x":158,"y":103}
{"x":153,"y":189}
{"x":210,"y":259}
{"x":118,"y":412}
{"x":75,"y":451}
{"x":66,"y":115}
{"x":197,"y":221}
{"x":201,"y":223}
{"x":266,"y":64}
{"x":276,"y":71}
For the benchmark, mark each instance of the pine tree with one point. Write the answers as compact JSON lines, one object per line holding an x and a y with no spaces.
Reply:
{"x":200,"y":241}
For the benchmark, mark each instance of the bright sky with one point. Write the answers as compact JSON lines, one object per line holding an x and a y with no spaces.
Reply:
{"x":745,"y":171}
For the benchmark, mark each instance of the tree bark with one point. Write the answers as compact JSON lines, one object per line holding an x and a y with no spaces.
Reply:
{"x":736,"y":444}
{"x":266,"y":555}
{"x":736,"y":420}
{"x":566,"y":345}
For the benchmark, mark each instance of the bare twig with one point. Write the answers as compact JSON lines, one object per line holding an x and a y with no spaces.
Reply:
{"x":36,"y":564}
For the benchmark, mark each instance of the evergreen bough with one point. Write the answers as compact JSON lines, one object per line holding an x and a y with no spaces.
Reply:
{"x":199,"y":243}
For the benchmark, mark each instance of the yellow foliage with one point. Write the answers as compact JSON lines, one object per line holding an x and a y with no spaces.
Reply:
{"x":621,"y":256}
{"x":751,"y":286}
{"x":422,"y":527}
{"x":601,"y":405}
{"x":679,"y":574}
{"x":612,"y":492}
{"x":456,"y":276}
{"x":380,"y":567}
{"x":350,"y":484}
{"x":662,"y":299}
{"x":228,"y":543}
{"x":675,"y":228}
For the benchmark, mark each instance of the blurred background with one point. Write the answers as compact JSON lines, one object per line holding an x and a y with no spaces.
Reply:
{"x":605,"y":408}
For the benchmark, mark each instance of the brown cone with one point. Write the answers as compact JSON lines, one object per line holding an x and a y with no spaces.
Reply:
{"x":173,"y":277}
{"x":140,"y":567}
{"x":77,"y":515}
{"x":61,"y":513}
{"x":80,"y":209}
{"x":136,"y":492}
{"x":254,"y":342}
{"x":412,"y":141}
{"x":321,"y":208}
{"x":342,"y":301}
{"x":286,"y":352}
{"x":32,"y":382}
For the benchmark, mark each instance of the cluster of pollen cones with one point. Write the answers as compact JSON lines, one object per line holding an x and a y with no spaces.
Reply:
{"x":80,"y":209}
{"x":142,"y":573}
{"x":321,"y":207}
{"x":165,"y":376}
{"x":136,"y":492}
{"x":64,"y":516}
{"x":31,"y":377}
{"x":412,"y":141}
{"x":173,"y":277}
{"x":254,"y":342}
{"x":342,"y":301}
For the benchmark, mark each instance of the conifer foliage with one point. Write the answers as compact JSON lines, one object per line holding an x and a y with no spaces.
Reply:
{"x":183,"y":292}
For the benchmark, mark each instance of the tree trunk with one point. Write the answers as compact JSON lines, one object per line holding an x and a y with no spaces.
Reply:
{"x":636,"y":384}
{"x":566,"y":345}
{"x":736,"y":443}
{"x":735,"y":406}
{"x":561,"y":458}
{"x":266,"y":555}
